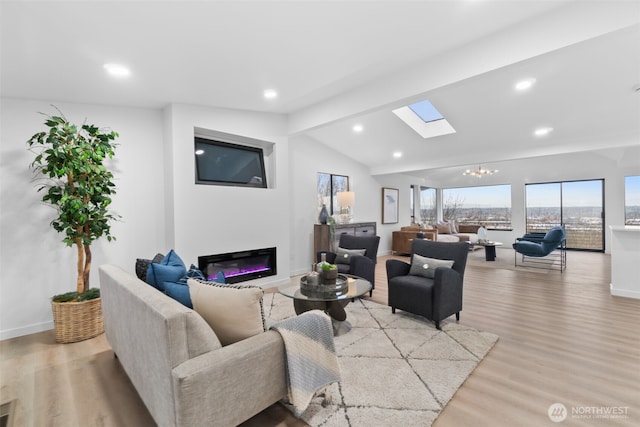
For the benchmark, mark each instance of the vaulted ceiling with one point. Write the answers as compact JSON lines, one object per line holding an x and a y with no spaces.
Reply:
{"x":336,"y":64}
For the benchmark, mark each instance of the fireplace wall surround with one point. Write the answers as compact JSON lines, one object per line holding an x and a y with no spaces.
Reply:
{"x":239,"y":266}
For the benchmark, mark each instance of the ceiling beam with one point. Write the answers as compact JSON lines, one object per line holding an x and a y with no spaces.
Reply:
{"x":561,"y":27}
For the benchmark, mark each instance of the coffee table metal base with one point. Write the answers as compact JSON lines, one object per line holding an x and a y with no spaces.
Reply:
{"x":332,"y":303}
{"x":490,"y":253}
{"x":489,"y":249}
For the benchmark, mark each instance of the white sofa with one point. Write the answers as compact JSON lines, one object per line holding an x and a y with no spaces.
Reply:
{"x":176,"y":362}
{"x":466,"y":233}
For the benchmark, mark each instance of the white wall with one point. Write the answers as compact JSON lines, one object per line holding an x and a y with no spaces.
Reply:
{"x":210,"y":219}
{"x":307,"y":158}
{"x":403,"y":184}
{"x":34,"y":263}
{"x":160,"y":205}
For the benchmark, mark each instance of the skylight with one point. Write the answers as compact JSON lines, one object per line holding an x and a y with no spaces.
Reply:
{"x":426,"y":111}
{"x":425,"y":119}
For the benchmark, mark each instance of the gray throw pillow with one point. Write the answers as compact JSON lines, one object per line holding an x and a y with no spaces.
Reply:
{"x":426,"y":267}
{"x":142,"y":265}
{"x":443,"y":228}
{"x":343,"y":256}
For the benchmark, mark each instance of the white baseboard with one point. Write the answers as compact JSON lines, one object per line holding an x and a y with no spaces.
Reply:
{"x":26,"y":330}
{"x":624,"y":293}
{"x":298,"y":272}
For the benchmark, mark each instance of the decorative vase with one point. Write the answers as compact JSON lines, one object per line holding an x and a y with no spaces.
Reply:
{"x":313,"y":278}
{"x":329,"y":276}
{"x":323,"y":214}
{"x":482,"y":234}
{"x":77,"y":321}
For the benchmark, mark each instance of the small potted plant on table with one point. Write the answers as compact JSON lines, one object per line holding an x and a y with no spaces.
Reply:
{"x":70,"y":162}
{"x":329,"y":274}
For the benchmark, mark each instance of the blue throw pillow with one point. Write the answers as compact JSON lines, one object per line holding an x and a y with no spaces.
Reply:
{"x":157,"y":274}
{"x":170,"y":269}
{"x":192,"y":273}
{"x":219,"y":278}
{"x":179,"y":292}
{"x":172,"y":258}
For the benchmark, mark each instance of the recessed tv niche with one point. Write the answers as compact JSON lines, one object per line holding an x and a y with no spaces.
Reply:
{"x":225,"y":163}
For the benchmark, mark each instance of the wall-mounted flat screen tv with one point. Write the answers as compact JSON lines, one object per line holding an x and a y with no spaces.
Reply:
{"x":224,"y":163}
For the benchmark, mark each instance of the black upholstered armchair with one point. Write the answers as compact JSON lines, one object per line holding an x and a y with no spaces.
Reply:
{"x":350,"y":258}
{"x":431,"y":284}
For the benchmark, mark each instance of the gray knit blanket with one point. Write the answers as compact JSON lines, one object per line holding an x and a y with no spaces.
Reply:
{"x":311,"y":356}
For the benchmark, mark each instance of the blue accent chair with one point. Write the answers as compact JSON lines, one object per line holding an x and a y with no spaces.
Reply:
{"x":542,"y":249}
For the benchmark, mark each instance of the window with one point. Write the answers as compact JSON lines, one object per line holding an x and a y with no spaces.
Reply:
{"x":425,"y":119}
{"x":412,"y":208}
{"x":427,"y":205}
{"x":426,"y":111}
{"x":632,"y":200}
{"x":488,"y":205}
{"x":578,"y":206}
{"x":328,"y":187}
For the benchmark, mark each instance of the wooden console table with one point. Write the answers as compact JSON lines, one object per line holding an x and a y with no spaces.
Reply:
{"x":321,"y":240}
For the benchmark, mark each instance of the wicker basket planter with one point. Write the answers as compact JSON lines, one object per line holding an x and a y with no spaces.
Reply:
{"x":77,"y":321}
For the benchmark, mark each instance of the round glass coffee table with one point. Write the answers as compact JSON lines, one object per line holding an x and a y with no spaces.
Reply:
{"x":331,"y":303}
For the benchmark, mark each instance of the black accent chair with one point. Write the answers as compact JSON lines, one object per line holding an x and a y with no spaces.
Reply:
{"x":437,"y":298}
{"x":359,"y":265}
{"x":541,"y":250}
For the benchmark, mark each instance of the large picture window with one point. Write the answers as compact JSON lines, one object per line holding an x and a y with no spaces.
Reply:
{"x":578,"y":206}
{"x":428,"y":210}
{"x":632,"y":200}
{"x":328,"y":187}
{"x":488,"y":205}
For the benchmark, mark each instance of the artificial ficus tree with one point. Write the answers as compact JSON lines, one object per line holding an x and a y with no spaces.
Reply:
{"x":69,"y":167}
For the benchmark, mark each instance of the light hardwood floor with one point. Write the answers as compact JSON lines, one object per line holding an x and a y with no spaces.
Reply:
{"x":563,"y":339}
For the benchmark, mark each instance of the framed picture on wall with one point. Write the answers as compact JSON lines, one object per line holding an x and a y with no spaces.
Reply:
{"x":390,"y":205}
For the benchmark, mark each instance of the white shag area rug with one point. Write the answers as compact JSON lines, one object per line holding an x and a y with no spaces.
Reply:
{"x":397,"y":369}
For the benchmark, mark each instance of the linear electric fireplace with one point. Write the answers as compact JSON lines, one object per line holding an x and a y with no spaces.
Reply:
{"x":239,"y":266}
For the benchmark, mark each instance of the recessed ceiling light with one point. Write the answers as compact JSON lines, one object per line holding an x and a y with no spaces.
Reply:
{"x":358,"y":128}
{"x":117,"y":70}
{"x":199,"y":152}
{"x":270,"y":94}
{"x":397,"y":154}
{"x":542,"y":131}
{"x":525,"y":84}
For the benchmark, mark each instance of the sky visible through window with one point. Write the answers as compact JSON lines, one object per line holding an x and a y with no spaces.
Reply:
{"x":426,"y":111}
{"x":632,"y":200}
{"x":578,"y":194}
{"x":483,"y":196}
{"x":632,"y":190}
{"x":574,"y":194}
